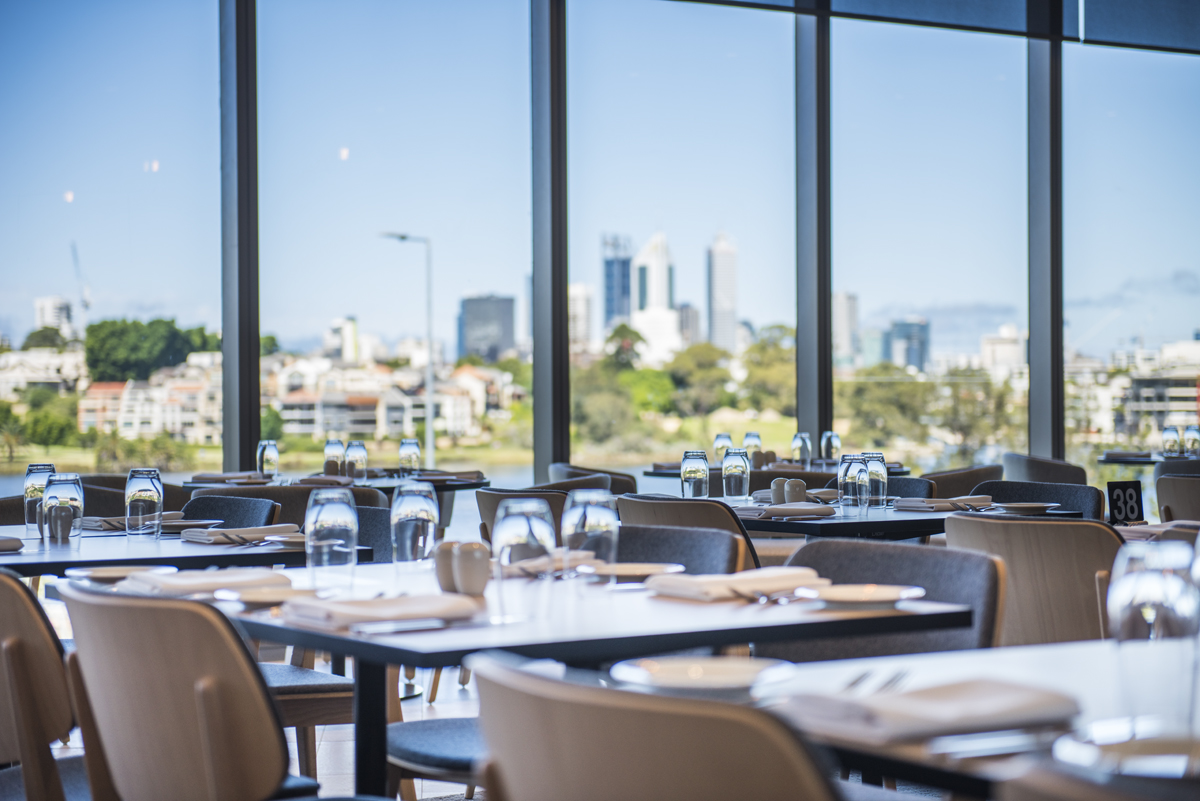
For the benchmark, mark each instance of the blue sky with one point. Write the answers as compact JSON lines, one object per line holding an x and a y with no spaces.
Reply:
{"x":681,"y":120}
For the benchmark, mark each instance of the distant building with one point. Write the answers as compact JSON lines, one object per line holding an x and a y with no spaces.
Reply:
{"x":722,"y":294}
{"x":416,"y":352}
{"x":340,"y":340}
{"x":615,"y":251}
{"x":41,"y":368}
{"x":871,"y":351}
{"x":745,"y":338}
{"x":485,"y":327}
{"x":908,"y":343}
{"x":579,"y":318}
{"x":689,"y":324}
{"x":654,"y":315}
{"x":845,"y":329}
{"x":1004,"y":353}
{"x":53,"y":311}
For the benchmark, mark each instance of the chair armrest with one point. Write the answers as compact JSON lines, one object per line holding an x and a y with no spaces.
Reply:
{"x":1102,"y":579}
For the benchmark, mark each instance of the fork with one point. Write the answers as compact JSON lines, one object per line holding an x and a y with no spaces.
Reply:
{"x":892,"y":683}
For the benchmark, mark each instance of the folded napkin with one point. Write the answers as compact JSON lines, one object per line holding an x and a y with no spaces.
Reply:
{"x":761,"y":496}
{"x":234,"y":536}
{"x":340,"y":614}
{"x":448,"y":475}
{"x":798,"y":509}
{"x":10,"y":544}
{"x":939,"y":504}
{"x":825,"y":495}
{"x":326,"y":481}
{"x":216,"y":478}
{"x":118,"y":523}
{"x":551,"y":562}
{"x":1127,"y":454}
{"x":1174,"y":530}
{"x":187,"y":582}
{"x":666,"y":466}
{"x":958,"y":708}
{"x":721,"y":587}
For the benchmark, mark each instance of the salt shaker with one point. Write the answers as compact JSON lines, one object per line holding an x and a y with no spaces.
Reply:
{"x":795,"y":491}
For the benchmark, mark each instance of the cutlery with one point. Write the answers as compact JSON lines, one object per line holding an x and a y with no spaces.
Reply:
{"x":892,"y":683}
{"x":856,"y":681}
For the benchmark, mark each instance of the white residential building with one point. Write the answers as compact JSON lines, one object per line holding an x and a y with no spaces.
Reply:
{"x":845,"y":329}
{"x":579,"y":317}
{"x":41,"y":367}
{"x":54,"y":311}
{"x":654,"y":315}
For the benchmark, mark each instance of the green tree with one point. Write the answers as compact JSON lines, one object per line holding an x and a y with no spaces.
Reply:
{"x":622,"y":346}
{"x":604,"y":415}
{"x":473,"y":359}
{"x":48,"y":426}
{"x":202,"y":340}
{"x":649,"y":390}
{"x":44,"y":338}
{"x":522,"y":372}
{"x":885,"y":402}
{"x":267,"y":344}
{"x":700,"y":377}
{"x":969,"y":406}
{"x":271,"y":424}
{"x":771,"y":370}
{"x":118,"y":350}
{"x":37,"y":397}
{"x":12,"y":436}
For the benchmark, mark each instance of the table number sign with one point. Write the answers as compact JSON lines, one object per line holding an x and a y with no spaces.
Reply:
{"x":1125,"y":503}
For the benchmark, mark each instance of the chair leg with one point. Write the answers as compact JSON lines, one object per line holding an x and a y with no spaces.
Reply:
{"x":470,"y":792}
{"x":306,"y":750}
{"x":408,"y":790}
{"x":464,"y":676}
{"x":395,"y":712}
{"x":337,"y":665}
{"x":889,"y":783}
{"x":393,"y":781}
{"x":433,"y":684}
{"x":410,"y":673}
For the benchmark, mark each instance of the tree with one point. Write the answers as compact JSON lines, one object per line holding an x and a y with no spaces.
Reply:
{"x":622,"y":346}
{"x":473,"y":359}
{"x":885,"y":402}
{"x":522,"y":372}
{"x":118,"y":350}
{"x":44,"y":338}
{"x":649,"y":390}
{"x":202,"y":340}
{"x":771,"y":370}
{"x":604,"y":415}
{"x":267,"y":344}
{"x":11,"y":436}
{"x":48,"y":426}
{"x":271,"y":424}
{"x":700,"y":376}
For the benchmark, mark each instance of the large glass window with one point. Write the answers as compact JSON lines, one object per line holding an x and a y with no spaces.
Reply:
{"x":929,"y":242}
{"x":682,"y":227}
{"x":405,"y":118}
{"x":109,"y":237}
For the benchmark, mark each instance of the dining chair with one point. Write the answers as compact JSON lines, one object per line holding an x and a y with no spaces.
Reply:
{"x":1048,"y":781}
{"x":1020,"y":467}
{"x":489,"y":503}
{"x":1058,"y":572}
{"x":293,"y":499}
{"x":548,"y":739}
{"x":1178,"y":498}
{"x":103,"y":502}
{"x":234,"y":512}
{"x":1176,"y":467}
{"x":1081,"y":498}
{"x":667,"y":510}
{"x":761,"y":479}
{"x":903,"y":487}
{"x":12,"y":510}
{"x":956,"y":483}
{"x":35,"y":706}
{"x":700,"y":550}
{"x":951,"y":576}
{"x":593,"y":481}
{"x":190,"y":718}
{"x":619,"y":483}
{"x":174,"y":496}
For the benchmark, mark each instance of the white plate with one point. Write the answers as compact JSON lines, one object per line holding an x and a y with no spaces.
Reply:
{"x":177,"y":526}
{"x":702,"y":672}
{"x":115,"y":573}
{"x":630,"y":571}
{"x":287,"y":540}
{"x":262,"y":596}
{"x":860,"y":595}
{"x":1026,"y":508}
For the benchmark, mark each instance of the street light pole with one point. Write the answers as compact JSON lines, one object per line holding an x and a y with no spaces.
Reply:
{"x":430,"y":460}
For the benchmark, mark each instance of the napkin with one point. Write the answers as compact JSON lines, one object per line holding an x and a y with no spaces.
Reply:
{"x":447,"y":475}
{"x":10,"y":544}
{"x":798,"y":509}
{"x":1179,"y":530}
{"x":721,"y":587}
{"x":326,"y":481}
{"x":1127,"y":454}
{"x":215,"y":478}
{"x":187,"y":582}
{"x":549,"y":563}
{"x":118,"y":523}
{"x":939,"y":504}
{"x":340,"y":614}
{"x":227,"y":536}
{"x":958,"y":708}
{"x":825,"y":495}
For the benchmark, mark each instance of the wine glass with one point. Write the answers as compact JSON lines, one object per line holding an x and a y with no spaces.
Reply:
{"x":721,"y":443}
{"x":35,"y":487}
{"x":802,"y":450}
{"x":143,"y":502}
{"x":415,"y":516}
{"x":831,"y":446}
{"x":335,"y":457}
{"x":269,"y":465}
{"x":735,"y":475}
{"x":524,"y":531}
{"x":356,"y":461}
{"x":693,"y":473}
{"x":752,"y":442}
{"x":1191,"y":441}
{"x":590,"y":523}
{"x":410,"y":457}
{"x":877,"y":475}
{"x":1170,"y":440}
{"x":331,"y":538}
{"x":62,"y":508}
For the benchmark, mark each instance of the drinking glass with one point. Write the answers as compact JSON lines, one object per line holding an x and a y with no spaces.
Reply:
{"x":258,"y":455}
{"x":590,"y":523}
{"x":331,"y":538}
{"x":335,"y":457}
{"x":269,"y":464}
{"x":752,"y":442}
{"x":802,"y":450}
{"x":721,"y":443}
{"x":693,"y":472}
{"x":143,"y":502}
{"x":524,"y":530}
{"x":415,"y":516}
{"x":35,"y":487}
{"x":1154,"y":615}
{"x":831,"y":446}
{"x":1191,"y":441}
{"x":1170,"y":439}
{"x":62,"y":508}
{"x":848,"y":479}
{"x":410,"y":457}
{"x":356,"y":461}
{"x":735,"y":475}
{"x":877,"y":479}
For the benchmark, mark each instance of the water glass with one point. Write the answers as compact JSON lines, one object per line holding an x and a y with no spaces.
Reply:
{"x":410,"y":457}
{"x":335,"y":457}
{"x":735,"y":475}
{"x":524,"y":529}
{"x":877,"y":479}
{"x":1191,"y":441}
{"x":267,"y":458}
{"x":848,"y":482}
{"x":590,"y":523}
{"x":752,"y":442}
{"x":35,"y":487}
{"x":1154,"y":615}
{"x":721,"y":443}
{"x":331,"y":538}
{"x":802,"y":450}
{"x":1170,"y":439}
{"x":693,"y":472}
{"x":143,"y":502}
{"x":831,"y":446}
{"x":62,"y":508}
{"x":415,"y":517}
{"x":356,"y":461}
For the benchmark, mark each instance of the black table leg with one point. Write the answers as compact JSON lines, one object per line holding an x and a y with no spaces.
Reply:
{"x":337,"y":665}
{"x":370,"y":728}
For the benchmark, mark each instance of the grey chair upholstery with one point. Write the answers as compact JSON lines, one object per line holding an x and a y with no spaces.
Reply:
{"x":1176,"y":467}
{"x":1178,"y":498}
{"x":233,"y":511}
{"x":1073,"y":497}
{"x":102,"y":501}
{"x":12,"y":510}
{"x":951,"y":576}
{"x":903,"y":487}
{"x":174,"y":496}
{"x":1019,"y":467}
{"x":293,"y":499}
{"x":699,"y":550}
{"x":489,"y":502}
{"x":619,"y":483}
{"x":375,"y":531}
{"x":667,"y":510}
{"x":591,"y":481}
{"x":955,"y":483}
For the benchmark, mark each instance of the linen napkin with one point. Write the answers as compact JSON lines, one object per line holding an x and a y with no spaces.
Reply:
{"x":10,"y":544}
{"x":720,"y":587}
{"x":551,"y":562}
{"x":825,"y":495}
{"x":1178,"y":530}
{"x":1127,"y":454}
{"x":957,"y":708}
{"x":118,"y":523}
{"x":798,"y":509}
{"x":939,"y":504}
{"x":218,"y":478}
{"x":326,"y":481}
{"x":334,"y":614}
{"x":228,"y":536}
{"x":187,"y":582}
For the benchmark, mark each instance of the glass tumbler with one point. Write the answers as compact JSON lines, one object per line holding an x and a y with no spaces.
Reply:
{"x":1191,"y":441}
{"x":524,"y":530}
{"x":269,"y":463}
{"x":62,"y":508}
{"x":415,"y":517}
{"x":410,"y":457}
{"x":590,"y":523}
{"x":35,"y":487}
{"x":335,"y":457}
{"x":735,"y":475}
{"x":848,"y":479}
{"x":356,"y":461}
{"x":258,"y":455}
{"x":802,"y":450}
{"x":693,"y":473}
{"x":1170,"y":441}
{"x":143,"y":502}
{"x":752,"y":442}
{"x":831,"y":446}
{"x":331,"y":538}
{"x":877,"y":479}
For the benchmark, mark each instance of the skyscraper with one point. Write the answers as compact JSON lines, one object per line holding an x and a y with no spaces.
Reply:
{"x":907,"y":343}
{"x":722,"y":294}
{"x":579,"y":317}
{"x":653,"y":314}
{"x":615,"y":252}
{"x":689,"y":324}
{"x":53,"y":312}
{"x":485,"y":327}
{"x":845,"y":329}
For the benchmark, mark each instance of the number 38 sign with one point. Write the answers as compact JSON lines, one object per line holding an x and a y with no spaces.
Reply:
{"x":1125,"y":502}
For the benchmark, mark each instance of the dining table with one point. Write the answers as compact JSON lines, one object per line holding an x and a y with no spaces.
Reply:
{"x":384,"y":483}
{"x":818,"y":466}
{"x":574,"y":621}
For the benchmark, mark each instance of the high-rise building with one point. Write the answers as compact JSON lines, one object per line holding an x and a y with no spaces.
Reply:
{"x":341,"y":340}
{"x":722,"y":294}
{"x":615,"y":252}
{"x":689,"y":324}
{"x":485,"y":327}
{"x":907,"y":343}
{"x":579,"y":317}
{"x":53,"y":311}
{"x":845,"y":329}
{"x":654,"y":315}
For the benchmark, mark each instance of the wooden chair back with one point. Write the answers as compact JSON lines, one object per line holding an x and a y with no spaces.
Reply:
{"x":667,"y":510}
{"x":956,"y":483}
{"x":619,"y":483}
{"x":1020,"y":467}
{"x":593,"y":481}
{"x":12,"y":510}
{"x":293,"y":499}
{"x":489,"y":502}
{"x":1178,"y":498}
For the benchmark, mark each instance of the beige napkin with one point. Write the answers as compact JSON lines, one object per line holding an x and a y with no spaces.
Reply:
{"x":1174,"y":530}
{"x":938,"y":504}
{"x":958,"y":708}
{"x":232,"y":536}
{"x":187,"y":582}
{"x":799,"y":509}
{"x":215,"y":478}
{"x":118,"y":523}
{"x":10,"y":544}
{"x":825,"y":495}
{"x":340,"y":614}
{"x":721,"y":587}
{"x":545,"y":564}
{"x":326,"y":481}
